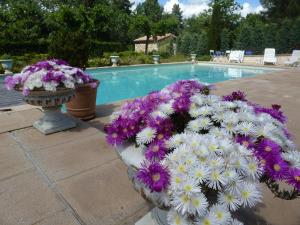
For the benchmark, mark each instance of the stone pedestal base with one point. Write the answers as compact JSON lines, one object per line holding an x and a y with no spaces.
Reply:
{"x":54,"y":121}
{"x":155,"y":217}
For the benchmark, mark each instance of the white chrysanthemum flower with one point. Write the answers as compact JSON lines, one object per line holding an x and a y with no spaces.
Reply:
{"x":249,"y":194}
{"x":219,"y":116}
{"x":200,"y":204}
{"x":245,"y":128}
{"x":194,"y":125}
{"x":160,"y":114}
{"x":208,"y":219}
{"x":190,"y":187}
{"x":234,"y":186}
{"x":293,"y":157}
{"x":230,"y":200}
{"x":175,"y":141}
{"x":194,"y":112}
{"x":213,"y":145}
{"x":221,"y":214}
{"x":174,"y":218}
{"x":167,"y":108}
{"x":199,"y":99}
{"x":231,"y":175}
{"x":253,"y":170}
{"x":200,"y":173}
{"x":177,"y":180}
{"x":231,"y":117}
{"x":212,"y":99}
{"x":265,"y":130}
{"x":235,"y":222}
{"x":229,"y":127}
{"x":201,"y":150}
{"x":216,"y":179}
{"x":229,"y":105}
{"x":216,"y":162}
{"x":205,"y":110}
{"x":219,"y":133}
{"x":145,"y":136}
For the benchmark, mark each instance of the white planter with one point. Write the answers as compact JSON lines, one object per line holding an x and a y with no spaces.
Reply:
{"x":193,"y":57}
{"x":7,"y":65}
{"x":156,"y":59}
{"x":133,"y":157}
{"x":114,"y":59}
{"x":53,"y":120}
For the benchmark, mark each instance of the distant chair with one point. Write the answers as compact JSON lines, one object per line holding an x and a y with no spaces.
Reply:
{"x":270,"y":56}
{"x":236,"y":56}
{"x":294,"y":60}
{"x":227,"y":53}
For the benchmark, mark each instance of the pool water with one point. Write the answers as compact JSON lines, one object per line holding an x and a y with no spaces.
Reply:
{"x":134,"y":81}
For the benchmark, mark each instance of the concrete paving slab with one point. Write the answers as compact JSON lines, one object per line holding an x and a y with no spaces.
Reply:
{"x":12,"y":158}
{"x":26,"y":199}
{"x":33,"y":140}
{"x":17,"y":120}
{"x":62,"y":218}
{"x":67,"y":159}
{"x":103,"y":195}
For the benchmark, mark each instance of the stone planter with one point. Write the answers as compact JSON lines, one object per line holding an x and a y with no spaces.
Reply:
{"x":114,"y":59}
{"x":133,"y":157}
{"x":193,"y":57}
{"x":53,"y":120}
{"x":83,"y":105}
{"x":156,"y":59}
{"x":7,"y":65}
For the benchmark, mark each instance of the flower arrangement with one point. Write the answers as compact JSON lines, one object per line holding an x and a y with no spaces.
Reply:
{"x":48,"y":75}
{"x":195,"y":145}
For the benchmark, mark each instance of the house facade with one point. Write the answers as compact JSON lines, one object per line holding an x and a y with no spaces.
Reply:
{"x":155,"y":43}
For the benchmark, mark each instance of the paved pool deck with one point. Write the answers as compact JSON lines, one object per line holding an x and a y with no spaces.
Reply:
{"x":75,"y":178}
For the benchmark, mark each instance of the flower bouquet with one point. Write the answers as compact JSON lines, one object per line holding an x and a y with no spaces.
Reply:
{"x":49,"y":84}
{"x":201,"y":156}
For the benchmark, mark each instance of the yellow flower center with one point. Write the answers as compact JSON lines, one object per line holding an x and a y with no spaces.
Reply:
{"x":181,"y":168}
{"x":196,"y":202}
{"x":160,"y":136}
{"x":277,"y":167}
{"x":263,"y":162}
{"x":156,"y":177}
{"x":142,"y":112}
{"x":206,"y":222}
{"x":268,"y":149}
{"x":177,"y":180}
{"x":188,"y":187}
{"x":114,"y":135}
{"x":245,"y":194}
{"x":155,"y":148}
{"x":125,"y":130}
{"x":245,"y":143}
{"x":219,"y":215}
{"x":177,"y":220}
{"x":185,"y":198}
{"x":297,"y":178}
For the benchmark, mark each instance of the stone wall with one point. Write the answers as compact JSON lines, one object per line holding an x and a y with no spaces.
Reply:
{"x":141,"y":47}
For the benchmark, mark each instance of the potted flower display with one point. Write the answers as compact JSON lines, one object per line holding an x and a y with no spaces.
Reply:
{"x":193,"y":57}
{"x":49,"y":84}
{"x":114,"y":59}
{"x":83,"y":105}
{"x":199,"y":157}
{"x":156,"y":58}
{"x":6,"y":64}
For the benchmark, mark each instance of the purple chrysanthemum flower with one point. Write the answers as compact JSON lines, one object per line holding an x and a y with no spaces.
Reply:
{"x":274,"y":112}
{"x":246,"y":141}
{"x":154,"y":176}
{"x":10,"y":82}
{"x":156,"y":151}
{"x":181,"y":104}
{"x":267,"y":149}
{"x":277,"y":168}
{"x":294,"y":178}
{"x":235,"y":96}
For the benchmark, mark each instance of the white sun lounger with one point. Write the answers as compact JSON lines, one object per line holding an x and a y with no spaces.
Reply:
{"x":294,"y":60}
{"x":270,"y":56}
{"x":236,"y":56}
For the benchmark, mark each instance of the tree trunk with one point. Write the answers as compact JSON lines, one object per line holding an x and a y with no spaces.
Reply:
{"x":147,"y":44}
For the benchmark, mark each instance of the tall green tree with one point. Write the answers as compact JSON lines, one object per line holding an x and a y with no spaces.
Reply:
{"x":122,"y":5}
{"x":151,"y":12}
{"x":176,"y":11}
{"x":223,"y":15}
{"x":279,"y":9}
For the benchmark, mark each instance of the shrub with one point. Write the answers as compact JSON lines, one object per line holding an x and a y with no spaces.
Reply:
{"x":1,"y":69}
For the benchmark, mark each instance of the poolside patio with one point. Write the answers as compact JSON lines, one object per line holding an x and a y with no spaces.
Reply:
{"x":75,"y":178}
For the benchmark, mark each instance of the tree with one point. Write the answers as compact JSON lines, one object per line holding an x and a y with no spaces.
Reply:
{"x":71,"y":39}
{"x":223,"y":15}
{"x":225,"y":39}
{"x":295,"y":34}
{"x":122,"y":5}
{"x":177,"y":12}
{"x":278,"y":9}
{"x":150,"y":16}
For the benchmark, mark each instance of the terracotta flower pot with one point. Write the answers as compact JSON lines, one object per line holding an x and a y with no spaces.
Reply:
{"x":83,"y":106}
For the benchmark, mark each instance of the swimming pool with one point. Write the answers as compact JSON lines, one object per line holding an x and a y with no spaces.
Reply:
{"x":134,"y":81}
